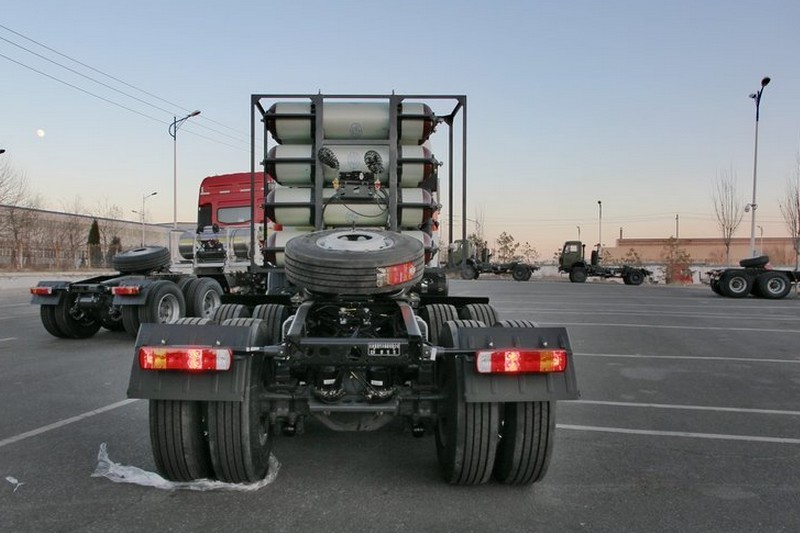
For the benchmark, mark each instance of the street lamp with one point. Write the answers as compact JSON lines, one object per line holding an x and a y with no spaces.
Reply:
{"x":752,"y":205}
{"x":141,"y":213}
{"x":600,"y":230}
{"x":173,"y":131}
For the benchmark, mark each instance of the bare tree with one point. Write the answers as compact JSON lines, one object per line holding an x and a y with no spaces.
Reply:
{"x":110,"y":228}
{"x":790,"y":209}
{"x":19,"y":219}
{"x":72,"y":234}
{"x":728,"y":208}
{"x":506,"y":247}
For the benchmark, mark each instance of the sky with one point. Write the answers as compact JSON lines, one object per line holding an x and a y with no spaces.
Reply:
{"x":640,"y":105}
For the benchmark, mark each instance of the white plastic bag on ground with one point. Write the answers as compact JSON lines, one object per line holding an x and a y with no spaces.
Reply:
{"x":130,"y":474}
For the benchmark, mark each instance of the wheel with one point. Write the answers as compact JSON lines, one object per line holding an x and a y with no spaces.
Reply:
{"x":435,"y":315}
{"x":755,"y":290}
{"x":111,"y":318}
{"x":130,"y":320}
{"x":773,"y":285}
{"x":521,"y":273}
{"x":226,"y":311}
{"x":577,"y":275}
{"x":164,"y":304}
{"x":354,"y":261}
{"x":735,"y":284}
{"x":239,"y":433}
{"x":715,"y":286}
{"x":625,"y":279}
{"x":635,"y":277}
{"x":526,"y":442}
{"x":48,"y":316}
{"x":466,"y":433}
{"x":273,"y":315}
{"x":203,"y":296}
{"x":177,"y":437}
{"x":754,"y":262}
{"x":142,"y":259}
{"x":469,"y":272}
{"x":483,"y":312}
{"x":516,"y":324}
{"x":74,"y":322}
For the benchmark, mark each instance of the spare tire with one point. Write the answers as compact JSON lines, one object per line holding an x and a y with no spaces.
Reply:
{"x":354,"y":261}
{"x":142,"y":259}
{"x":754,"y":262}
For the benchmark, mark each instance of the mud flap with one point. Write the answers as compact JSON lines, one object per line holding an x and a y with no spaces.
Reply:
{"x":59,"y":289}
{"x":227,"y":385}
{"x":515,"y":387}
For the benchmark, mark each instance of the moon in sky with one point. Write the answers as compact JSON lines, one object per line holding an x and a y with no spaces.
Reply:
{"x":40,"y":133}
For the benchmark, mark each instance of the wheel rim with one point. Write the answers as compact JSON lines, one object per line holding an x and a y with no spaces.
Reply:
{"x":211,"y":301}
{"x":168,"y":309}
{"x":776,"y":285}
{"x":737,"y":285}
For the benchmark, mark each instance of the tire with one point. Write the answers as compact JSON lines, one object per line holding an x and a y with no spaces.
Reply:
{"x":177,"y":437}
{"x":466,"y":433}
{"x":48,"y":316}
{"x":754,"y":262}
{"x":352,"y":261}
{"x":577,"y":275}
{"x":74,"y":326}
{"x":164,"y":304}
{"x":436,"y":315}
{"x":756,"y":290}
{"x":526,"y":442}
{"x":227,"y":311}
{"x":625,"y":279}
{"x":203,"y":296}
{"x":469,"y":272}
{"x":635,"y":277}
{"x":773,"y":285}
{"x":273,"y":315}
{"x":482,"y":312}
{"x":715,"y":287}
{"x":142,"y":259}
{"x":735,"y":284}
{"x":516,"y":324}
{"x":111,"y":319}
{"x":521,"y":273}
{"x":239,"y":433}
{"x":130,"y":320}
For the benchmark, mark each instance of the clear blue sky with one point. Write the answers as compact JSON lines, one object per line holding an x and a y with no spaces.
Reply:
{"x":639,"y":104}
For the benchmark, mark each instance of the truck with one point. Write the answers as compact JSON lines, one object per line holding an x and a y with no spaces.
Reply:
{"x":755,"y":276}
{"x":572,"y":260}
{"x":148,"y":286}
{"x":355,"y":344}
{"x":471,"y":263}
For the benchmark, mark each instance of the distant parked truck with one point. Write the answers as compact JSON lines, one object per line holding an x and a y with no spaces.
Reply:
{"x":755,"y":277}
{"x":572,"y":260}
{"x":472,"y":263}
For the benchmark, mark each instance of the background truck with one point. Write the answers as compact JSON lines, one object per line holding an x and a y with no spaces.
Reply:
{"x":149,"y":287}
{"x":754,"y":277}
{"x":471,"y":263}
{"x":572,"y":260}
{"x":354,"y":344}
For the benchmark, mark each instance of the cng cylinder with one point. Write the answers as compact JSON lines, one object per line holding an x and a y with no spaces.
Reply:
{"x":349,"y":121}
{"x":426,"y":240}
{"x":421,"y":164}
{"x":295,"y":207}
{"x":276,"y":242}
{"x":186,"y":245}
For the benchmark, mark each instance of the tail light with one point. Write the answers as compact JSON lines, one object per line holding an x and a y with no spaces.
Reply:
{"x":395,"y":274}
{"x":124,"y":290}
{"x":515,"y":361}
{"x":42,"y":291}
{"x":188,"y":358}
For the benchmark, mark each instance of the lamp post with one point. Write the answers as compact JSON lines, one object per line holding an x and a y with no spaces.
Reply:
{"x":600,"y":229}
{"x":752,"y":205}
{"x":579,"y":232}
{"x":141,"y":213}
{"x":173,"y":131}
{"x":761,"y":247}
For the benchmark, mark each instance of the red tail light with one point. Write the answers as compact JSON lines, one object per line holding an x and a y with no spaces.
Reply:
{"x":42,"y":291}
{"x":396,"y":274}
{"x":123,"y":290}
{"x":189,"y":358}
{"x":514,"y":361}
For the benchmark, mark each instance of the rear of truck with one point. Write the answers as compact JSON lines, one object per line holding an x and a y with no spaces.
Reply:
{"x":345,"y":334}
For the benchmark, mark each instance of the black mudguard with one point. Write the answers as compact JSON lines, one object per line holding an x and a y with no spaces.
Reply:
{"x":59,"y":288}
{"x":516,"y":387}
{"x":199,"y":386}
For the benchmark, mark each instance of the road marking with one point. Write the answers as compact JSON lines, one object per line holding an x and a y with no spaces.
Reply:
{"x":8,"y":339}
{"x":655,"y":312}
{"x":684,"y":434}
{"x":689,"y":407}
{"x":700,"y":328}
{"x":694,"y":357}
{"x":65,"y":422}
